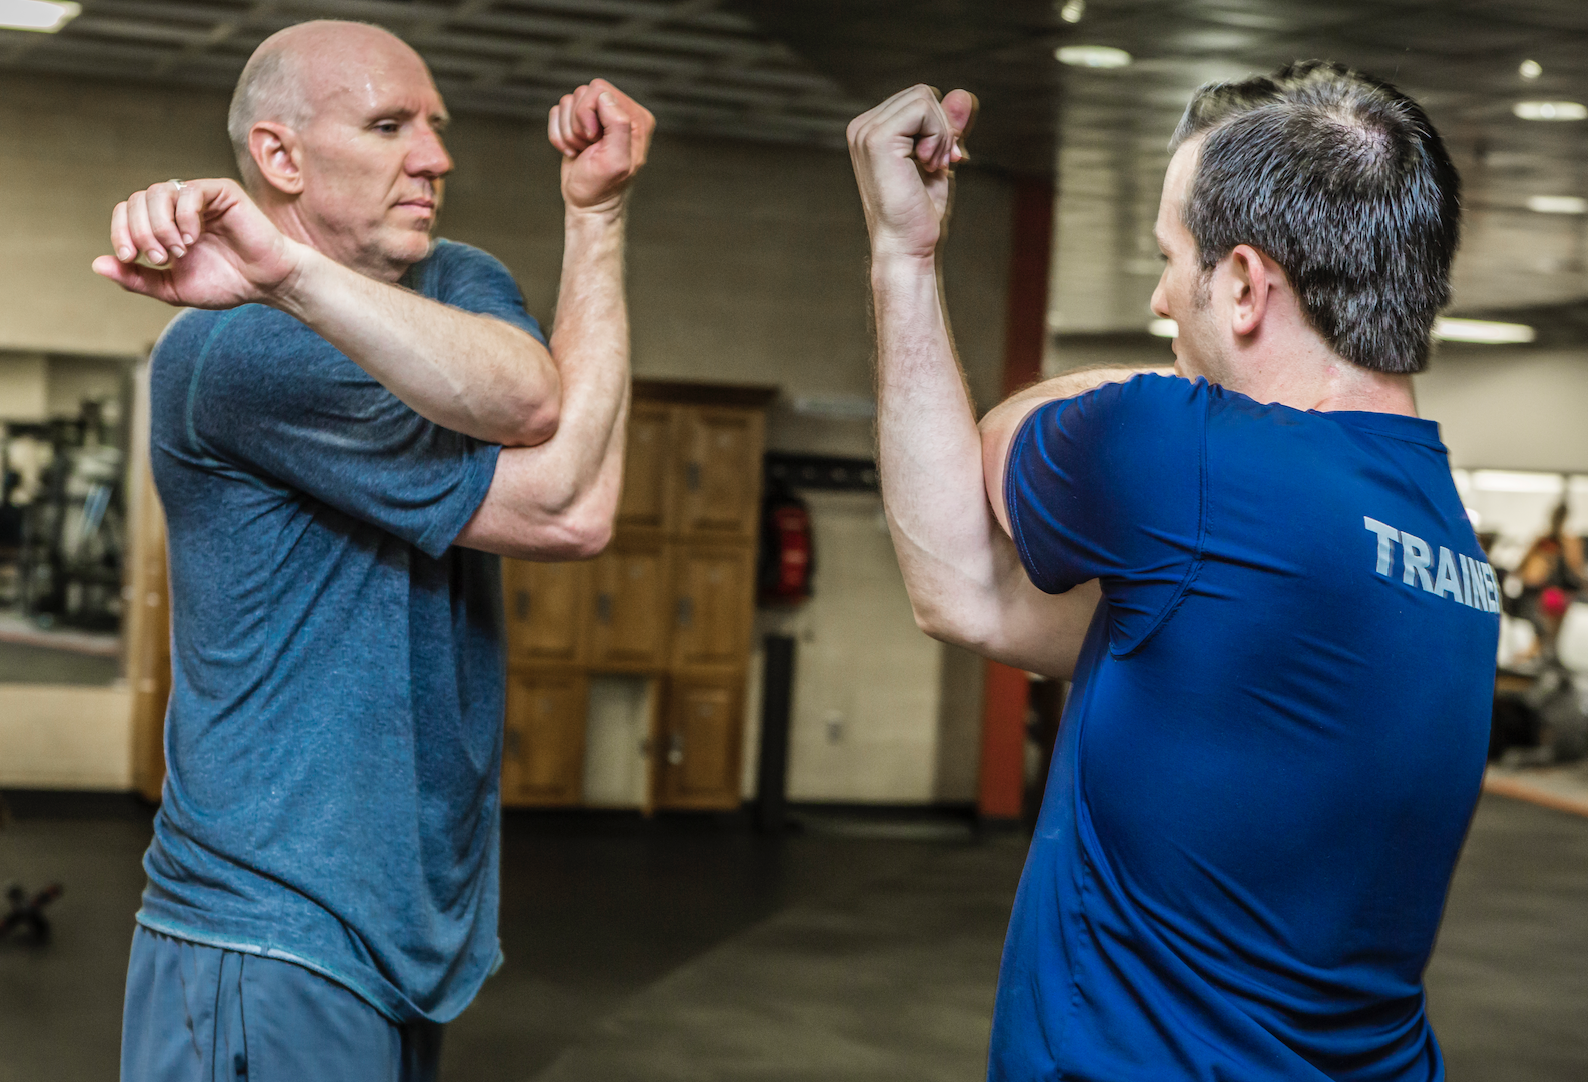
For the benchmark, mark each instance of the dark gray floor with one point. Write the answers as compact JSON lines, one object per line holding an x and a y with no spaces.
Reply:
{"x":693,"y":950}
{"x":21,"y":663}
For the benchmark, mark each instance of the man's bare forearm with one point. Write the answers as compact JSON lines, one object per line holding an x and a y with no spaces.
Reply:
{"x":470,"y":373}
{"x":557,"y":500}
{"x":929,"y":454}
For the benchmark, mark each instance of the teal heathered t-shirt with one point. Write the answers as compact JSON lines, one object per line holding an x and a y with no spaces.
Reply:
{"x":334,"y":734}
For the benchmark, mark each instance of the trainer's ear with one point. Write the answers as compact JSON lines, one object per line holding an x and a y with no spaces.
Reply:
{"x":278,"y":155}
{"x":1249,"y":285}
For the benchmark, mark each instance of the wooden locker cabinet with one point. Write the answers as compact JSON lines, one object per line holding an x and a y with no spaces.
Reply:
{"x":721,"y":498}
{"x":543,"y":747}
{"x":648,"y":470}
{"x":713,"y":606}
{"x":701,"y":742}
{"x":672,"y":599}
{"x":544,"y":605}
{"x":628,"y":606}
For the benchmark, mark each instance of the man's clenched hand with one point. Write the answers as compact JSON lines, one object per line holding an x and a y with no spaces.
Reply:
{"x":903,"y":152}
{"x":604,"y":136}
{"x":221,"y":249}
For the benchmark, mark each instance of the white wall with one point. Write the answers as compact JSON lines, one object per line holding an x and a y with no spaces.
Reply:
{"x":1510,"y":408}
{"x":747,"y":263}
{"x":59,"y":737}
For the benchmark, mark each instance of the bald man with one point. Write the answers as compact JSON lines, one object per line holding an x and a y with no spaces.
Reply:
{"x":349,"y":425}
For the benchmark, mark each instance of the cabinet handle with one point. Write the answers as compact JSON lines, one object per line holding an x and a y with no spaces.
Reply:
{"x":692,"y":477}
{"x":511,"y":744}
{"x":604,"y":608}
{"x":675,"y":749}
{"x":686,"y":611}
{"x":521,"y":604}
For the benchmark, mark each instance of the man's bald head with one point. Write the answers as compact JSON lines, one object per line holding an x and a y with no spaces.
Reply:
{"x":292,"y":70}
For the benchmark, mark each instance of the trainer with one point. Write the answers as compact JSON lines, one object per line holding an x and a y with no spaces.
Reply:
{"x":348,"y":428}
{"x":1280,"y":625}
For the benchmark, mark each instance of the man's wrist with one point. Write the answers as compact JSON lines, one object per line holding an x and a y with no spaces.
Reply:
{"x":604,"y":216}
{"x":890,"y":267}
{"x":294,"y":294}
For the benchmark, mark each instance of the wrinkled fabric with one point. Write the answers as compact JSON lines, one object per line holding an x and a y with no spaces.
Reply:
{"x":201,"y":1014}
{"x":335,"y":725}
{"x":1272,"y":749}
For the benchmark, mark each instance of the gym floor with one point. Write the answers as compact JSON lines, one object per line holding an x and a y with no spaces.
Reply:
{"x":858,"y":948}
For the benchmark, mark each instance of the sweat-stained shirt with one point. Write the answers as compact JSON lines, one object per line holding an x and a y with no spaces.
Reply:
{"x":1272,"y":748}
{"x":334,"y":734}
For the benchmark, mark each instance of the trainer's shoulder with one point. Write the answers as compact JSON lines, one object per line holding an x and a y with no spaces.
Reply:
{"x":1143,"y":412}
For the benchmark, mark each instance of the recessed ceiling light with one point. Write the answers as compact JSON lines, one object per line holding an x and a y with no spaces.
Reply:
{"x":1072,"y":11}
{"x":1530,"y":69}
{"x":1557,"y":204}
{"x":1550,"y":110}
{"x":1483,"y":331}
{"x":43,"y":15}
{"x":1092,"y":56}
{"x":1163,"y":328}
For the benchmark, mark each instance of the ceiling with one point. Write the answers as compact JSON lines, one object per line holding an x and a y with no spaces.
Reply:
{"x":797,"y":70}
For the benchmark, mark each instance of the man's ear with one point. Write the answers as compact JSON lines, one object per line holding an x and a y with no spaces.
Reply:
{"x":278,"y":155}
{"x":1249,"y":283}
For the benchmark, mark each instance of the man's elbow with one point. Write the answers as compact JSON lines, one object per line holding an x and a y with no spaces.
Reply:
{"x":536,"y":421}
{"x":953,"y":627}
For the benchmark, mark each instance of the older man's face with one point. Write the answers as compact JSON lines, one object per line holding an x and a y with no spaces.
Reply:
{"x":373,"y":160}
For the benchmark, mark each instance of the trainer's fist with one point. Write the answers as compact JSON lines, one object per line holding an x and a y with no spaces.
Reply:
{"x":603,"y":135}
{"x":903,"y":152}
{"x":199,"y":244}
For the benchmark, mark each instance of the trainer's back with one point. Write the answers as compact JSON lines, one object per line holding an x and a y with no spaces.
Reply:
{"x":1272,"y":749}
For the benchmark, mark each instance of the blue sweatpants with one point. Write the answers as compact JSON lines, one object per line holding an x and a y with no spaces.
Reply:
{"x":201,"y":1014}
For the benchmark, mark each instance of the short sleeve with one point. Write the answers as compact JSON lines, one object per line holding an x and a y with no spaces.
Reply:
{"x":270,"y":396}
{"x":476,"y":281}
{"x":1111,"y":485}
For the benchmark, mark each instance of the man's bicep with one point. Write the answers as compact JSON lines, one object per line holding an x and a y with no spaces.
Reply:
{"x":998,"y":432}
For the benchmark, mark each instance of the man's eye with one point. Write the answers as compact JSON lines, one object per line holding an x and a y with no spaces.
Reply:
{"x":388,"y":127}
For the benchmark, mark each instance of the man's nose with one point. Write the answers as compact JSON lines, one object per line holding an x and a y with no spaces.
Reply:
{"x":1160,"y":300}
{"x":429,"y":158}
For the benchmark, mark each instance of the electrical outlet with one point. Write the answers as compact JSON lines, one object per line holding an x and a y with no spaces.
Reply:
{"x":836,"y":724}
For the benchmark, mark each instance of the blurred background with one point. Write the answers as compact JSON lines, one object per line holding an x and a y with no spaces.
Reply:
{"x":759,"y":825}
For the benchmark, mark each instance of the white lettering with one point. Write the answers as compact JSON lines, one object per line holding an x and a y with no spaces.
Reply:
{"x":1493,"y":592}
{"x":1418,"y":559}
{"x":1387,"y":536}
{"x":1469,"y":596}
{"x":1447,"y":575}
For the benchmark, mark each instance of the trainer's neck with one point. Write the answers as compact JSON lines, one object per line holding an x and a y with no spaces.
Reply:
{"x":1320,"y":379}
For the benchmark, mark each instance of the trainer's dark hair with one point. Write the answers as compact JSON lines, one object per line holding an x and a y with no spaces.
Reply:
{"x":1341,"y":180}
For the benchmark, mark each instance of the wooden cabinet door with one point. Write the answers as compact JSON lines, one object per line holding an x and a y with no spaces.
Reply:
{"x":719,"y":472}
{"x":545,"y":608}
{"x":629,"y":612}
{"x":647,"y":469}
{"x":698,"y":757}
{"x":712,"y":591}
{"x":543,"y":749}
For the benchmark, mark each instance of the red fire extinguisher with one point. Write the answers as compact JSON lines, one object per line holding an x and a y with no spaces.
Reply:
{"x":787,"y":555}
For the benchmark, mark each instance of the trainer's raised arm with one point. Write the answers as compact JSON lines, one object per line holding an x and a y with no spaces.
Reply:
{"x":964,"y":578}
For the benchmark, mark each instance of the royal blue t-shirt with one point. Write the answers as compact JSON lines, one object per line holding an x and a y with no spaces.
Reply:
{"x":333,"y":740}
{"x":1272,"y":749}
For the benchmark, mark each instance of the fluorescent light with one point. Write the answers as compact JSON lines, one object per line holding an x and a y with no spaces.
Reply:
{"x":44,"y":15}
{"x":1557,"y":204}
{"x":1482,"y":330}
{"x":1551,"y":110}
{"x":1092,"y":56}
{"x":1072,"y":11}
{"x":1163,"y":328}
{"x":1550,"y":484}
{"x":1530,"y":69}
